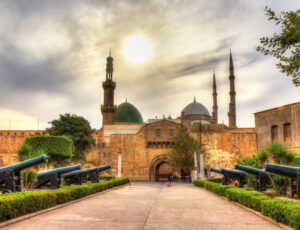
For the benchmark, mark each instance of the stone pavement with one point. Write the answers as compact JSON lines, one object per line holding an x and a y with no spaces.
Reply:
{"x":148,"y":206}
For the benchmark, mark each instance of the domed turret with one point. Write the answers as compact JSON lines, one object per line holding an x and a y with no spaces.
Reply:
{"x":195,"y":111}
{"x":128,"y":113}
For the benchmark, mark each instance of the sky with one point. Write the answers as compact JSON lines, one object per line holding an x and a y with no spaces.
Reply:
{"x":53,"y":56}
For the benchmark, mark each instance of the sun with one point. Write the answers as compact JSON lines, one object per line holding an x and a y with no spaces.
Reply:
{"x":137,"y":49}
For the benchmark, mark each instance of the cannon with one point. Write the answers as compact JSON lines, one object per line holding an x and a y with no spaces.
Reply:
{"x":262,"y":177}
{"x":229,"y":174}
{"x":11,"y":178}
{"x":215,"y":170}
{"x":288,"y":171}
{"x":81,"y":176}
{"x":52,"y":178}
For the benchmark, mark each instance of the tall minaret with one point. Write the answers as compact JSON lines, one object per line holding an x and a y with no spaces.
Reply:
{"x":108,"y":108}
{"x":232,"y":109}
{"x":215,"y":103}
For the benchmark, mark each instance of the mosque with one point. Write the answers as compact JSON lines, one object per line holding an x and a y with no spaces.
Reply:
{"x":139,"y":149}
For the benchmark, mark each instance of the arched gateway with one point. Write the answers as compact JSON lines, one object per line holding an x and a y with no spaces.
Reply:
{"x":160,"y":168}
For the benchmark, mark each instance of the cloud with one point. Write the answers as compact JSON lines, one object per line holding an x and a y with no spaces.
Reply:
{"x":52,"y":56}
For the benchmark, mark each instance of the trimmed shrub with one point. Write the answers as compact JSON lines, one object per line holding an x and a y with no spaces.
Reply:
{"x":284,"y":211}
{"x":20,"y":203}
{"x":249,"y":199}
{"x":57,"y":147}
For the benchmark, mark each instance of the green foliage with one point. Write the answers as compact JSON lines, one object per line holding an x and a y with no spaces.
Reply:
{"x":250,"y":199}
{"x":76,"y":128}
{"x":273,"y":152}
{"x":284,"y":46}
{"x":287,"y":212}
{"x":217,"y":180}
{"x":296,"y":161}
{"x":280,"y":184}
{"x":250,"y":180}
{"x":262,"y":156}
{"x":56,"y":147}
{"x":106,"y":177}
{"x":279,"y":153}
{"x":24,"y":151}
{"x":20,"y":203}
{"x":28,"y":178}
{"x":182,"y":153}
{"x":250,"y":161}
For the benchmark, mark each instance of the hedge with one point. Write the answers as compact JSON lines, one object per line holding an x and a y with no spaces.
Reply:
{"x":57,"y":147}
{"x":287,"y":212}
{"x":20,"y":203}
{"x":284,"y":211}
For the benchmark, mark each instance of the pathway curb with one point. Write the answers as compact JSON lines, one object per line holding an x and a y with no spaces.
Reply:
{"x":28,"y":216}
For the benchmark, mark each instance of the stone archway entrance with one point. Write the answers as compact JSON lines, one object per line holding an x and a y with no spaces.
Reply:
{"x":160,"y":168}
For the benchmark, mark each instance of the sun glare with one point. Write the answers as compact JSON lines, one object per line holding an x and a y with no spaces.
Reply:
{"x":137,"y":49}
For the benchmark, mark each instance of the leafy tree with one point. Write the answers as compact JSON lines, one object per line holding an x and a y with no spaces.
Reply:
{"x":76,"y":128}
{"x":284,"y":46}
{"x":182,"y":154}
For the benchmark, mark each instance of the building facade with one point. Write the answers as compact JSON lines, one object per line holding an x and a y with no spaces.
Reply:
{"x":144,"y":146}
{"x":281,"y":124}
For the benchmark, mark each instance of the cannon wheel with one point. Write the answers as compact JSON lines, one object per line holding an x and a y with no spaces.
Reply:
{"x":6,"y":191}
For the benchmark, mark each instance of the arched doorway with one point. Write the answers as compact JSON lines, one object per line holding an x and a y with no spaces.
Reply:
{"x":160,"y":168}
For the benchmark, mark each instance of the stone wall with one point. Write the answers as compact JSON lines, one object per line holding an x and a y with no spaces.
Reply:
{"x":288,"y":114}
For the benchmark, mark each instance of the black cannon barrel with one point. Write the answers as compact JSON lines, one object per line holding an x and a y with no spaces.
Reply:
{"x":79,"y":172}
{"x":59,"y":171}
{"x":215,"y":170}
{"x":103,"y":167}
{"x":251,"y":170}
{"x":283,"y":170}
{"x":233,"y":172}
{"x":25,"y":164}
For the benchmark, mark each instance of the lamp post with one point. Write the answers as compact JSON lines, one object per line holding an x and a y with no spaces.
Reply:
{"x":120,"y":162}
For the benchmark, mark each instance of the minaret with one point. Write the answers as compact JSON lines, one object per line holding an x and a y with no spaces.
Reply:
{"x":215,"y":103}
{"x":232,"y":109}
{"x":108,"y":108}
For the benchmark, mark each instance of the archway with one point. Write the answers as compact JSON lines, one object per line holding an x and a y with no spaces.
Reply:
{"x":160,"y":168}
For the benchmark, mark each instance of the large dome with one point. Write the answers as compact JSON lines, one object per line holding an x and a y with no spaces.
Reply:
{"x":195,"y":108}
{"x":127,"y":112}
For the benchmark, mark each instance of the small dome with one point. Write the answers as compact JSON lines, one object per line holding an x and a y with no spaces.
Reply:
{"x":127,"y":112}
{"x":195,"y":108}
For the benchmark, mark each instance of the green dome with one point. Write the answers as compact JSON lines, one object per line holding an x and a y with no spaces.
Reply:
{"x":127,"y":112}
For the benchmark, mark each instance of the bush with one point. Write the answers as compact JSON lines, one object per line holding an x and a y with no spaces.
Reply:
{"x":106,"y":177}
{"x":56,"y":147}
{"x":249,"y":199}
{"x":20,"y":203}
{"x":28,"y":178}
{"x":280,"y":184}
{"x":250,"y":180}
{"x":287,"y":212}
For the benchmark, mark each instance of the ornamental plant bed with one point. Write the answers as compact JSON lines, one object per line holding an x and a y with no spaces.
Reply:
{"x":20,"y":203}
{"x":284,"y":211}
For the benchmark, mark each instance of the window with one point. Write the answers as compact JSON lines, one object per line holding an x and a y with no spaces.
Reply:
{"x":157,"y":132}
{"x":287,"y":131}
{"x":171,"y":132}
{"x":274,"y":132}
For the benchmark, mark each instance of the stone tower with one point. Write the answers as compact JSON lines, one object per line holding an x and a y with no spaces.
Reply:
{"x":215,"y":103}
{"x":232,"y":93}
{"x":108,"y":108}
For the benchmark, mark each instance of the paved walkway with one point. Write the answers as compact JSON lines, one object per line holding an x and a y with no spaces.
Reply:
{"x":149,"y":206}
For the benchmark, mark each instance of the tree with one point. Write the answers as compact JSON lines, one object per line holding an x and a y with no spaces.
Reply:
{"x":76,"y":128}
{"x":286,"y":45}
{"x":182,"y":153}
